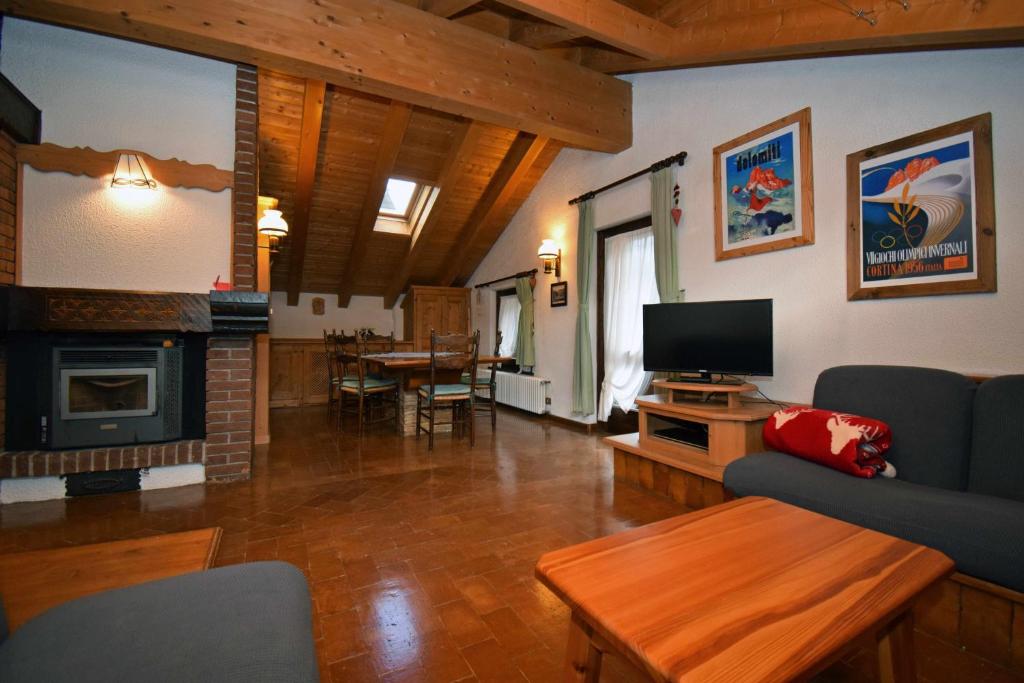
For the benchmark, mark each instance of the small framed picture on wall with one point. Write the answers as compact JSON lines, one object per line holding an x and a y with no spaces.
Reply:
{"x":559,"y":294}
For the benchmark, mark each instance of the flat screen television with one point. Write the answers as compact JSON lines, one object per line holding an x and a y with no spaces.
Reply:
{"x":714,"y":337}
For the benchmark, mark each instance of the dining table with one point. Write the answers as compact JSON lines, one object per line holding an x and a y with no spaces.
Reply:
{"x":412,"y":370}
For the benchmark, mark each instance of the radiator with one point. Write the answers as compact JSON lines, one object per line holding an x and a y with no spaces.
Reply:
{"x":525,"y":392}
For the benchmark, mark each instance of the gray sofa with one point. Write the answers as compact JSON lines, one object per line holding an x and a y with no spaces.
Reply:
{"x":245,"y":622}
{"x":958,"y":448}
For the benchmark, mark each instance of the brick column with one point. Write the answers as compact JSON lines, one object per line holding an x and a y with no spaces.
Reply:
{"x":8,"y":248}
{"x":243,"y":256}
{"x":229,"y":408}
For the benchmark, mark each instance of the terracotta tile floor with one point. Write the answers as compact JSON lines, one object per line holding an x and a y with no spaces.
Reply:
{"x":420,"y":564}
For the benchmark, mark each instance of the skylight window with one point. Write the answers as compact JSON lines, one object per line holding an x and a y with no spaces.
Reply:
{"x":405,"y":207}
{"x":397,"y":198}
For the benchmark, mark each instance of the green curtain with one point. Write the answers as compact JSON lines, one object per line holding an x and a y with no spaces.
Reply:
{"x":525,"y":353}
{"x":583,"y":360}
{"x":666,"y":267}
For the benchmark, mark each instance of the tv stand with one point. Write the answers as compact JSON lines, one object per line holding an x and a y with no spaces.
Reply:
{"x":685,"y":390}
{"x":685,"y":442}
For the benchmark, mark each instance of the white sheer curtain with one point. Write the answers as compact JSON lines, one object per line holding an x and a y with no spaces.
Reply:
{"x":629,"y":283}
{"x":508,"y":323}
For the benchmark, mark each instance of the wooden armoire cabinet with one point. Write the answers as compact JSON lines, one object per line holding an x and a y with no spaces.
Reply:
{"x":445,"y":309}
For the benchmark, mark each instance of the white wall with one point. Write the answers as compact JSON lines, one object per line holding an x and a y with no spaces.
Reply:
{"x":106,"y":94}
{"x":856,"y":102}
{"x":298,"y":322}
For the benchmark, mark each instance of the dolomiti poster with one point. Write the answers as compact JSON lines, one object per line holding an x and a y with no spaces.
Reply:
{"x":919,"y":206}
{"x":762,"y":189}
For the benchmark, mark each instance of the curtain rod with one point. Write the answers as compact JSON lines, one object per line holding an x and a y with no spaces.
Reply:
{"x":507,"y":277}
{"x":656,"y":166}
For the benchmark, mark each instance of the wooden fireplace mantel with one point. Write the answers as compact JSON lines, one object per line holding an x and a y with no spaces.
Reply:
{"x":58,"y":309}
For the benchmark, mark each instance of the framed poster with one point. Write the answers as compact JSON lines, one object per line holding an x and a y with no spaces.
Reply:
{"x":559,"y":294}
{"x":764,"y":194}
{"x":921,"y":214}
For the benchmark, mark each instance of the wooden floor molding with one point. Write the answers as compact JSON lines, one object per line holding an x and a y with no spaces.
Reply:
{"x":692,"y":490}
{"x":981,"y":617}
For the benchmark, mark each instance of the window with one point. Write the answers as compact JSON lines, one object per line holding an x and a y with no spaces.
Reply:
{"x":405,"y":207}
{"x":508,"y":323}
{"x":397,"y":198}
{"x":628,"y":282}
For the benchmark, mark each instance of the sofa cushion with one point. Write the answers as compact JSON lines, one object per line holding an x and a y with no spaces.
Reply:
{"x":997,"y":458}
{"x":983,"y":535}
{"x":928,"y":410}
{"x":246,"y":622}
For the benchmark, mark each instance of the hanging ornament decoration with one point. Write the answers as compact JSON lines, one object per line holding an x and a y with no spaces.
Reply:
{"x":677,"y":213}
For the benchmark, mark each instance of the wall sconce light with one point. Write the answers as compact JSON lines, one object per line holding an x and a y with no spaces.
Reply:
{"x":551,"y":254}
{"x":271,"y":223}
{"x":273,"y":226}
{"x":129,"y":172}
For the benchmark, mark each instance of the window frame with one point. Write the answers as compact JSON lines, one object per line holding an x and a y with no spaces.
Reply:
{"x":511,"y":365}
{"x":619,"y":422}
{"x":413,"y":200}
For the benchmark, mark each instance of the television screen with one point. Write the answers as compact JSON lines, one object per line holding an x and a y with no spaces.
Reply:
{"x":728,"y":337}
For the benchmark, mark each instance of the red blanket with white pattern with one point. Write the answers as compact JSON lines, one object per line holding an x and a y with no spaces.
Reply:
{"x":848,"y":443}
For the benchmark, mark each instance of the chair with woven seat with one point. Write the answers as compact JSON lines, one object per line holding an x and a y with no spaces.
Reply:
{"x":333,"y":376}
{"x":450,"y":354}
{"x":485,"y":386}
{"x":369,"y":392}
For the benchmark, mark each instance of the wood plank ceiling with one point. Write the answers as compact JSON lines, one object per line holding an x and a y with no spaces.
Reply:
{"x":476,"y":97}
{"x":351,"y":133}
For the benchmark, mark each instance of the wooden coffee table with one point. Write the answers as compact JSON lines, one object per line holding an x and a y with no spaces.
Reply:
{"x":34,"y":581}
{"x":752,"y":590}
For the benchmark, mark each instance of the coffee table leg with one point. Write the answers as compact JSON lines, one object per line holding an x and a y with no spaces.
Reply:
{"x":582,"y":658}
{"x":896,"y":651}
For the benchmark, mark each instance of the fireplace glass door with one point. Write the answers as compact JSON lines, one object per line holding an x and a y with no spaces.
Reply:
{"x":91,"y":393}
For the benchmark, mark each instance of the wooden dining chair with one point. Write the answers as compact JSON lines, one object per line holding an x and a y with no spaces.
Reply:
{"x":484,"y":385}
{"x":370,"y":392}
{"x":333,"y":376}
{"x":449,"y":354}
{"x":379,"y":343}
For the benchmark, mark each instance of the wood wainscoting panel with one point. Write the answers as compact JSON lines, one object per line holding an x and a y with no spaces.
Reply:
{"x":299,"y":374}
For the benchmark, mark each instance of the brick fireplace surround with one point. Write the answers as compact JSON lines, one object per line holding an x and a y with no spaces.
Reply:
{"x":230,"y":361}
{"x":226,"y":452}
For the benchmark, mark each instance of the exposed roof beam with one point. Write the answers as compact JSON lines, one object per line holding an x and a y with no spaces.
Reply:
{"x":446,"y":8}
{"x":607,"y":21}
{"x":464,"y":142}
{"x":817,"y":29}
{"x":675,"y":12}
{"x":305,"y":177}
{"x":537,"y":35}
{"x":377,"y":46}
{"x":503,"y":185}
{"x":390,"y":143}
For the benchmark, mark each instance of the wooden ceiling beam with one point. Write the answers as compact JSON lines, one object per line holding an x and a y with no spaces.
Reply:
{"x":381,"y":47}
{"x":607,"y":21}
{"x":464,"y":142}
{"x":395,"y":125}
{"x":540,"y":35}
{"x":819,"y":29}
{"x":502,"y":187}
{"x":305,"y":178}
{"x":446,"y":8}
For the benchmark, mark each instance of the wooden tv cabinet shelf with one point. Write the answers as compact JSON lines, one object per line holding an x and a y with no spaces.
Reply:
{"x":690,"y":441}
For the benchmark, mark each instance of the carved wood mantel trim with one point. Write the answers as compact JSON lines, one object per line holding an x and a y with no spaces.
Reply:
{"x":77,"y":161}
